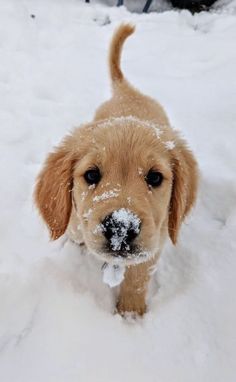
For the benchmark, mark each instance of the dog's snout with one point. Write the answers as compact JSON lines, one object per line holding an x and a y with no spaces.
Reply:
{"x":120,"y":228}
{"x":113,"y":228}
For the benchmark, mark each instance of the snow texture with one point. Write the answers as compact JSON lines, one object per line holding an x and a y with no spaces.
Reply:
{"x":125,"y":120}
{"x":57,"y":321}
{"x":122,"y":222}
{"x":170,"y":145}
{"x":105,"y":195}
{"x":98,"y":230}
{"x":113,"y":275}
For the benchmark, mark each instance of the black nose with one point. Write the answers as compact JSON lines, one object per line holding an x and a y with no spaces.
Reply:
{"x":120,"y":229}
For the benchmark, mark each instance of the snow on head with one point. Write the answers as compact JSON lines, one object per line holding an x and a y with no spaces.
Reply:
{"x":157,"y":131}
{"x":123,"y":221}
{"x":125,"y":120}
{"x":169,"y":145}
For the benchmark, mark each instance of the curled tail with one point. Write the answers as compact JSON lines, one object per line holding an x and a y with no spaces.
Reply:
{"x":119,"y":37}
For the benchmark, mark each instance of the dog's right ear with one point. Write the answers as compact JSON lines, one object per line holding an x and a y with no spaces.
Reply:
{"x":54,"y":188}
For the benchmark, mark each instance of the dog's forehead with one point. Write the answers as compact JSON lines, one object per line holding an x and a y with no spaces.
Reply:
{"x":123,"y":144}
{"x":130,"y":136}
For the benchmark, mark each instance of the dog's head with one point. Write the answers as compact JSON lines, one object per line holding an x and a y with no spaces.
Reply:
{"x":129,"y":181}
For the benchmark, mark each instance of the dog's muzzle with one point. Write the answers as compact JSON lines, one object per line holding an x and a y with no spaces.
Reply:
{"x":120,"y":229}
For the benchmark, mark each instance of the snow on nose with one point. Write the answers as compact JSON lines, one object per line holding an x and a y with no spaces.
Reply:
{"x":121,"y":228}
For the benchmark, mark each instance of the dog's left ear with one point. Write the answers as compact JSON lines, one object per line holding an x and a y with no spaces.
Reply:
{"x":184,"y":188}
{"x":53,"y":189}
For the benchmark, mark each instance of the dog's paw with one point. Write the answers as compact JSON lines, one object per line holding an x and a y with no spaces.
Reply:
{"x":135,"y":307}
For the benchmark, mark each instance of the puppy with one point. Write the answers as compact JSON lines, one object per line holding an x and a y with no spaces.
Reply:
{"x":121,"y":184}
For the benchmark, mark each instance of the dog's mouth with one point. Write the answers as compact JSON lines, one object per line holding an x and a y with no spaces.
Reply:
{"x":135,"y":255}
{"x":118,"y":239}
{"x":122,"y":251}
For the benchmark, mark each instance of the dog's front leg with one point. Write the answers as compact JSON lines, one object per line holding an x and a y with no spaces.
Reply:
{"x":133,"y":290}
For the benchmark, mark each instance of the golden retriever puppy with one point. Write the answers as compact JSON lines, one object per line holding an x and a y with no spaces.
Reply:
{"x":121,"y":184}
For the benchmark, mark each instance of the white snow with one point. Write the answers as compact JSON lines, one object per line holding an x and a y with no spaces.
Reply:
{"x":170,"y":145}
{"x":157,"y":132}
{"x":157,"y":128}
{"x":113,"y":275}
{"x":83,"y":195}
{"x":123,"y":221}
{"x":129,"y":200}
{"x":140,"y":171}
{"x":98,"y":230}
{"x":57,"y":321}
{"x":106,"y":195}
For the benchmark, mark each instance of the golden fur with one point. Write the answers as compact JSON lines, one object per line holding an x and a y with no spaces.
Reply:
{"x":129,"y":136}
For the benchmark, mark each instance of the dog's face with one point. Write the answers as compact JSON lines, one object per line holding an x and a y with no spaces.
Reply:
{"x":121,"y":190}
{"x":127,"y":186}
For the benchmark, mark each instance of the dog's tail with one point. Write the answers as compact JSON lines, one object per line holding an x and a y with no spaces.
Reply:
{"x":119,"y":37}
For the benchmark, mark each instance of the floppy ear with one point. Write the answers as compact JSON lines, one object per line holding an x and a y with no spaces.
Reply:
{"x":184,"y":188}
{"x":53,"y":190}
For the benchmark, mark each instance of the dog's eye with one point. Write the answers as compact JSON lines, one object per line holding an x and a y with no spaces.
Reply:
{"x":92,"y":176}
{"x":154,"y":178}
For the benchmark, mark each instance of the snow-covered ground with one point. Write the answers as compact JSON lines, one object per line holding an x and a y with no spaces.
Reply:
{"x":56,"y":314}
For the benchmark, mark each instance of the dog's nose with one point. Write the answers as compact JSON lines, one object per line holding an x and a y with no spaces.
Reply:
{"x":120,"y":228}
